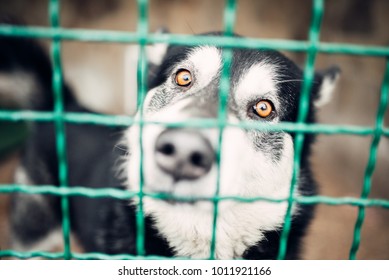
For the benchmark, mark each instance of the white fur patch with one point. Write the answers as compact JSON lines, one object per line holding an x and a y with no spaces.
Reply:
{"x":259,"y":80}
{"x":17,"y":88}
{"x":327,"y":88}
{"x":207,"y":62}
{"x":155,"y":53}
{"x":21,"y":176}
{"x":130,"y":80}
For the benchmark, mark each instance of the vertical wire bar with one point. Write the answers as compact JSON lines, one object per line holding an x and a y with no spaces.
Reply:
{"x":229,"y":23}
{"x":142,"y":30}
{"x":314,"y":34}
{"x":378,"y":130}
{"x":54,"y":14}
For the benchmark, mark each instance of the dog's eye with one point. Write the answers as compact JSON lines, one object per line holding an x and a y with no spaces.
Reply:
{"x":183,"y":78}
{"x":263,"y":108}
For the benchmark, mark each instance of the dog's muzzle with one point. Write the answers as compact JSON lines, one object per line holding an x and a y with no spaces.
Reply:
{"x":184,"y":154}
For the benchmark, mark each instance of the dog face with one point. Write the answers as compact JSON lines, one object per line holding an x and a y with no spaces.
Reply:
{"x":264,"y":87}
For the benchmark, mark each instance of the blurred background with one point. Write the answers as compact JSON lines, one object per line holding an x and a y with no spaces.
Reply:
{"x":97,"y":72}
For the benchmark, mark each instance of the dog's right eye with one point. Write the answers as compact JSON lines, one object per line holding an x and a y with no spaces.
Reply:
{"x":263,"y":108}
{"x":183,"y":78}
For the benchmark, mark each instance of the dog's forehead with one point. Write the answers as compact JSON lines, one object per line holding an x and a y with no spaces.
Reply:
{"x":256,"y":74}
{"x":258,"y":79}
{"x":207,"y":62}
{"x":206,"y":58}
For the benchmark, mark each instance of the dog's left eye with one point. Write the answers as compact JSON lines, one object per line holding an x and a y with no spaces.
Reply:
{"x":183,"y":78}
{"x":263,"y":108}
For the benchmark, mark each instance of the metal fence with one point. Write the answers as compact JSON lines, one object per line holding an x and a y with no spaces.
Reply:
{"x":142,"y":37}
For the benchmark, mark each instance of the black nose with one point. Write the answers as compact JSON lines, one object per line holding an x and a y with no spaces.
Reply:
{"x":184,"y":154}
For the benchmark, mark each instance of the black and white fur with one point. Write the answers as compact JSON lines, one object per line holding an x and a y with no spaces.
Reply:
{"x":253,"y":163}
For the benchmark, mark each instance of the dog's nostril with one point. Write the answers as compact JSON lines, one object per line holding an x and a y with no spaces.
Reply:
{"x":197,"y":159}
{"x":183,"y":154}
{"x":167,"y":149}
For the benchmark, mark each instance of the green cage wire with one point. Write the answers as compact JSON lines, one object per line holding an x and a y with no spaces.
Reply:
{"x":59,"y":117}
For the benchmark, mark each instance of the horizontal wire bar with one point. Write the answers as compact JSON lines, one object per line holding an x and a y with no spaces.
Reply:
{"x":334,"y":201}
{"x":189,"y":40}
{"x":30,"y":255}
{"x":100,"y":256}
{"x":126,"y":194}
{"x":119,"y":120}
{"x":80,"y":256}
{"x":69,"y":191}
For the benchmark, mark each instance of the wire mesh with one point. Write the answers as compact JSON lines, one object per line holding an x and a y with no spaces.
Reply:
{"x":142,"y":37}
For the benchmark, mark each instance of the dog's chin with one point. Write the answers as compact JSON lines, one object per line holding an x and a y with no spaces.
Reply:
{"x":163,"y":191}
{"x":178,"y":203}
{"x":174,"y":197}
{"x":171,"y":196}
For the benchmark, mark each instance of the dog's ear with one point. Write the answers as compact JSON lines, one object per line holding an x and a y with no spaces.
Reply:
{"x":326,"y":81}
{"x":155,"y":54}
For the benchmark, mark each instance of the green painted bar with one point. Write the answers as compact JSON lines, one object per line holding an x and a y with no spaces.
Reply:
{"x":109,"y":120}
{"x":30,"y":255}
{"x":222,"y":115}
{"x":142,"y":90}
{"x":54,"y":10}
{"x":99,"y":256}
{"x":124,"y":194}
{"x":229,"y":23}
{"x":104,"y":36}
{"x":314,"y":33}
{"x":78,"y":256}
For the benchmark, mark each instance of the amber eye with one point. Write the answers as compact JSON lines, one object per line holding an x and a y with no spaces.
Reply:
{"x":263,"y":108}
{"x":183,"y":78}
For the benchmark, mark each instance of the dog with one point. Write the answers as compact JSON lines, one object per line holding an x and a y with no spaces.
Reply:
{"x":183,"y":84}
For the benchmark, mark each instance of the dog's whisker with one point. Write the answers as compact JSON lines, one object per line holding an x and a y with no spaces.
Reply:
{"x":293,"y":80}
{"x":288,"y":81}
{"x":121,"y":148}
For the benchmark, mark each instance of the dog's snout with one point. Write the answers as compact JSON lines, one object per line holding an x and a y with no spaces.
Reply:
{"x":184,"y":154}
